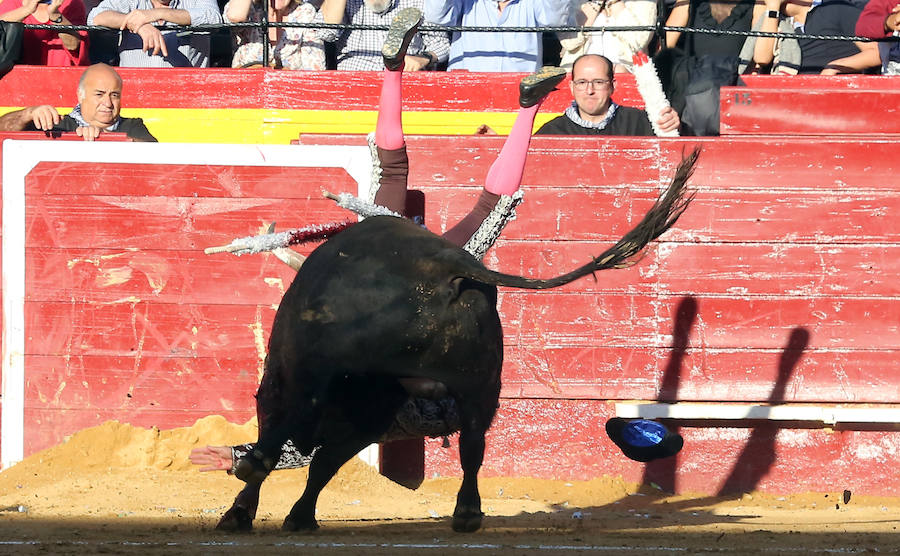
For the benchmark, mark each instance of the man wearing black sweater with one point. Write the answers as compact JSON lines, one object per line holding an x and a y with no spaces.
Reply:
{"x":594,"y":113}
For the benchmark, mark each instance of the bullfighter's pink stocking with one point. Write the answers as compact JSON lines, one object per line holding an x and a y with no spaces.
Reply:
{"x":505,"y":174}
{"x":391,"y":146}
{"x":389,"y":129}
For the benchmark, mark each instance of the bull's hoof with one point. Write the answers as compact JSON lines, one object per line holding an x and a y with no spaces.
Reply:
{"x":250,"y":470}
{"x":293,"y":526}
{"x":236,"y":520}
{"x":467,"y":523}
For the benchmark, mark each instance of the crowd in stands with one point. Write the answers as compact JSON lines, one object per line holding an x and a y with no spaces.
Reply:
{"x":147,"y":33}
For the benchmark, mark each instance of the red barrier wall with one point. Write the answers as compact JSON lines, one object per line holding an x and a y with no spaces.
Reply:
{"x":815,"y":111}
{"x":779,"y":283}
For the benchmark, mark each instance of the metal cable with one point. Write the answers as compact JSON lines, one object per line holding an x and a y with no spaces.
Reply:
{"x":659,"y":30}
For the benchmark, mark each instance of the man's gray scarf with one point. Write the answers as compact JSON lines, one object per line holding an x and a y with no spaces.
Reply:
{"x":572,"y":114}
{"x":75,"y":114}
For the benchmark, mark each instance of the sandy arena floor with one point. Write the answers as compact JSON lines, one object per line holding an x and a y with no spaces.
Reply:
{"x":119,"y":489}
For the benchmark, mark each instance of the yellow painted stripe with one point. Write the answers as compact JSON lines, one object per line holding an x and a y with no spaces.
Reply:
{"x":279,"y":127}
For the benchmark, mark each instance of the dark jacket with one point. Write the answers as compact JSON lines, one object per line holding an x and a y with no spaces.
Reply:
{"x":134,"y":128}
{"x":627,"y":121}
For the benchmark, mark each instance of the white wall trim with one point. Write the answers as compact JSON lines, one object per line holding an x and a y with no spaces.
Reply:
{"x":826,"y":414}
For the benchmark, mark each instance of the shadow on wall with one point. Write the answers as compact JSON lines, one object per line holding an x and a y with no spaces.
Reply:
{"x":758,"y":454}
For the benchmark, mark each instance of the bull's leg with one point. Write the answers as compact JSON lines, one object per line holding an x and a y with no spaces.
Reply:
{"x":468,"y":515}
{"x":243,"y":510}
{"x":324,"y":466}
{"x":253,"y":468}
{"x":476,"y":412}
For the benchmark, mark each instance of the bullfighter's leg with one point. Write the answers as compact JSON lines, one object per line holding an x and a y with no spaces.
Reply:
{"x":477,"y":232}
{"x":389,"y":146}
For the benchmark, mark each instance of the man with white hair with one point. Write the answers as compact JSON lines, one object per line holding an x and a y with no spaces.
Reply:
{"x":360,"y":49}
{"x":97,"y":111}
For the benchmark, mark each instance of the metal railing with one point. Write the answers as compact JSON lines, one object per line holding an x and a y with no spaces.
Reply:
{"x":659,"y":30}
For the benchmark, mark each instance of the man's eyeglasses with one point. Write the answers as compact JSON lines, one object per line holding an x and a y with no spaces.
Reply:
{"x":582,"y":84}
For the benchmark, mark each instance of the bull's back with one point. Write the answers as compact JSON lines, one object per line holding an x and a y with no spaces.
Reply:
{"x":383,"y":296}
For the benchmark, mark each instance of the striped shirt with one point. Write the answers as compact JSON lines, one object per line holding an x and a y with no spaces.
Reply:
{"x":186,"y":48}
{"x":361,"y":50}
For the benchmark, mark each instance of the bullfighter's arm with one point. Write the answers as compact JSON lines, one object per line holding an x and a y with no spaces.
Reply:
{"x":224,"y":458}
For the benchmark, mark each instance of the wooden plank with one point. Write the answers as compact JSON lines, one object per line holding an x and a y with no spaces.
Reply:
{"x":779,"y":269}
{"x":738,"y":271}
{"x":848,"y":81}
{"x":133,"y":276}
{"x":558,"y":319}
{"x":530,"y":319}
{"x":163,"y":222}
{"x":147,"y":329}
{"x":190,"y":181}
{"x":837,"y":111}
{"x":761,"y":164}
{"x":309,"y":90}
{"x":146,"y":383}
{"x":700,"y":374}
{"x":735,"y":270}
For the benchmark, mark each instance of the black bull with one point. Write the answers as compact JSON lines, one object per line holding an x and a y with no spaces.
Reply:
{"x":387,"y":300}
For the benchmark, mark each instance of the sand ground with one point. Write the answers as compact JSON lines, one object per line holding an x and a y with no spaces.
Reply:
{"x":119,"y":489}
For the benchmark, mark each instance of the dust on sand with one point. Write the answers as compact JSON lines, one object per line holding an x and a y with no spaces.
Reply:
{"x":116,"y":488}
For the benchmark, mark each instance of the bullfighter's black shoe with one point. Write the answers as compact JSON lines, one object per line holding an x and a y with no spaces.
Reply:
{"x":643,"y":440}
{"x":534,"y":87}
{"x":403,"y":29}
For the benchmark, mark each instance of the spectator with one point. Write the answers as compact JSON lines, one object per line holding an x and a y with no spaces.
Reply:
{"x":832,"y":17}
{"x":48,"y":47}
{"x":361,"y":49}
{"x":723,"y":15}
{"x":881,"y":19}
{"x":835,"y":17}
{"x":294,"y":48}
{"x":768,"y":54}
{"x":142,"y":44}
{"x":594,"y":113}
{"x":99,"y":101}
{"x":480,"y":51}
{"x":616,"y":46}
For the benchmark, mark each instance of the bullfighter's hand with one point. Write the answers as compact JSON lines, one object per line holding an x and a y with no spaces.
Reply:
{"x":154,"y":43}
{"x":668,"y":119}
{"x":214,"y":458}
{"x":88,"y":132}
{"x":44,"y":117}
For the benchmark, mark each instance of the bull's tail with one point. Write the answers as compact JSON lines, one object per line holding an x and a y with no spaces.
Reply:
{"x":664,"y":213}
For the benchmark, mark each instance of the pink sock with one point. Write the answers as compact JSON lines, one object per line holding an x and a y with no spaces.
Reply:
{"x":389,"y":128}
{"x":505,"y":174}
